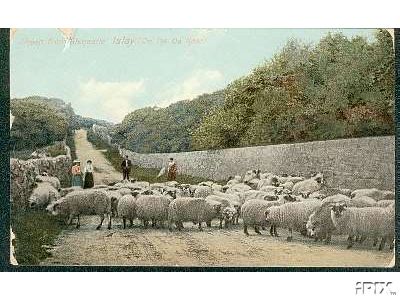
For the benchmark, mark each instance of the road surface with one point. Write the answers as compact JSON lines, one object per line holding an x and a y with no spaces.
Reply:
{"x":213,"y":247}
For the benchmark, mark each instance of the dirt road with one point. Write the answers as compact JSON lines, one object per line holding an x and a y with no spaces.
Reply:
{"x":213,"y":247}
{"x":104,"y":172}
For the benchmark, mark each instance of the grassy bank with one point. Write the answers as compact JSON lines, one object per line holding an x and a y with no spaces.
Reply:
{"x":34,"y":230}
{"x":139,"y":173}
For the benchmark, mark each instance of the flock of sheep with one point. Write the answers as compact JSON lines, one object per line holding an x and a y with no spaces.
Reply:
{"x":259,"y":199}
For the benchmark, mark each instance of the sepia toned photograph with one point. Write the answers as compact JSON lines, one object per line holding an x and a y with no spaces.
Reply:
{"x":202,"y":147}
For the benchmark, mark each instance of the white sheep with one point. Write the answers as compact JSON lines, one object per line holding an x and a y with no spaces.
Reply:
{"x":54,"y":181}
{"x":255,"y":194}
{"x":42,"y":195}
{"x":374,"y":222}
{"x":202,"y":191}
{"x":373,"y":193}
{"x":152,"y":208}
{"x":238,"y":188}
{"x":86,"y":202}
{"x":127,"y":209}
{"x":269,"y":180}
{"x":253,"y":212}
{"x":235,"y":180}
{"x":64,"y":191}
{"x":197,"y":210}
{"x":309,"y":186}
{"x":292,"y":216}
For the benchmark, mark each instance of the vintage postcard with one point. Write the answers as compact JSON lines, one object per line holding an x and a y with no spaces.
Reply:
{"x":202,"y":147}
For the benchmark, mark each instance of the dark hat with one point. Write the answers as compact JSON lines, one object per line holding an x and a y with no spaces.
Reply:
{"x":89,"y":161}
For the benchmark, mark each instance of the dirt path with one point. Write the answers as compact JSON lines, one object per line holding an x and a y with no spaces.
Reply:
{"x":104,"y":172}
{"x":213,"y":247}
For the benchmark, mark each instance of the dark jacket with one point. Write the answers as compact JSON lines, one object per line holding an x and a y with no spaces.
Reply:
{"x":123,"y":165}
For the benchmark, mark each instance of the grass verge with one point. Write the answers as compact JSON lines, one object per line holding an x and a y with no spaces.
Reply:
{"x":34,"y":230}
{"x":139,"y":173}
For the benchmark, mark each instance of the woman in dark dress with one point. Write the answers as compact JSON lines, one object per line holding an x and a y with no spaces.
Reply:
{"x":88,"y":181}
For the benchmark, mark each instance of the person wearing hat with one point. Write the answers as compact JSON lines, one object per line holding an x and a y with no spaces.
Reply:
{"x":88,"y":180}
{"x":172,"y":169}
{"x":126,"y":166}
{"x":76,"y":173}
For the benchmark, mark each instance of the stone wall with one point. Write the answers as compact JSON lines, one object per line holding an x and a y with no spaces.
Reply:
{"x":351,"y":163}
{"x":23,"y":173}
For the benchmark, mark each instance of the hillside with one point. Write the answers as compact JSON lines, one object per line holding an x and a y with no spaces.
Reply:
{"x":169,"y":129}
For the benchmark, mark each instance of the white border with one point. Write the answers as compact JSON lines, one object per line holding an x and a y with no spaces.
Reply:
{"x":204,"y":13}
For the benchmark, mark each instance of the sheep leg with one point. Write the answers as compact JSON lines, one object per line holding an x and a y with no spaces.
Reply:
{"x":362,"y":239}
{"x":382,"y":244}
{"x":351,"y":241}
{"x":375,"y":242}
{"x":328,"y":239}
{"x":131,"y":222}
{"x":290,"y":237}
{"x":201,"y":229}
{"x":208,"y":223}
{"x":69,"y":221}
{"x":153,"y":223}
{"x":275,"y":231}
{"x":101,"y":222}
{"x":271,"y":230}
{"x":145,"y":223}
{"x":124,"y":222}
{"x":220,"y":223}
{"x":245,"y":229}
{"x":257,"y":230}
{"x":109,"y":221}
{"x":78,"y":223}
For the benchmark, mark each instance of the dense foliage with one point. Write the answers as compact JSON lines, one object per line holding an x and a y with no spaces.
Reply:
{"x":165,"y":129}
{"x":41,"y":121}
{"x":338,"y":88}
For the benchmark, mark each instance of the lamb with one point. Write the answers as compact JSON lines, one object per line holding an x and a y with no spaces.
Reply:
{"x":291,"y":215}
{"x":86,"y":202}
{"x":202,"y":192}
{"x":152,"y":208}
{"x":127,"y":209}
{"x":375,"y":222}
{"x":253,"y":212}
{"x":230,"y":209}
{"x":197,"y":210}
{"x":309,"y":186}
{"x":54,"y":181}
{"x":373,"y":193}
{"x":43,"y":194}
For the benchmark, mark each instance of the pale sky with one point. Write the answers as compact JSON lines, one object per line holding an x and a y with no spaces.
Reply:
{"x":126,"y":69}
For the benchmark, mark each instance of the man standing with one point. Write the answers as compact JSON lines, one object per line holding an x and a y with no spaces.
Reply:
{"x":126,"y":166}
{"x":172,"y":168}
